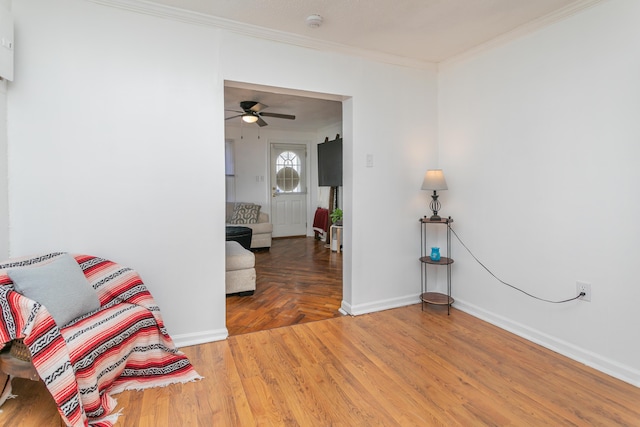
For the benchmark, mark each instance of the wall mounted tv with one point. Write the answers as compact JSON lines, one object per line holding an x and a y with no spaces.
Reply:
{"x":330,"y":163}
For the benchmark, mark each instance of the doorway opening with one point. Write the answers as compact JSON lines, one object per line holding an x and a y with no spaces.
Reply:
{"x":298,"y":279}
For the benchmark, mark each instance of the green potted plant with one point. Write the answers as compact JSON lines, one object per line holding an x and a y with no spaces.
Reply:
{"x":336,"y":216}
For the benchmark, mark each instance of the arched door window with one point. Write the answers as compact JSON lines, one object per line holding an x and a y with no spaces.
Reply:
{"x":288,"y":169}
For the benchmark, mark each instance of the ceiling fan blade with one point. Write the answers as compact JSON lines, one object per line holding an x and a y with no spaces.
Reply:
{"x":258,"y":107}
{"x":252,"y":106}
{"x":246,"y":105}
{"x":233,"y":117}
{"x":235,"y":111}
{"x":261,"y":122}
{"x":279,"y":116}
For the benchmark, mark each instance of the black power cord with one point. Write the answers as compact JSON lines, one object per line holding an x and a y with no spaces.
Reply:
{"x":507,"y":284}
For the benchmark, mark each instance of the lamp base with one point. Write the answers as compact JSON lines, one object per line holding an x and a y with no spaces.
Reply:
{"x":435,"y":207}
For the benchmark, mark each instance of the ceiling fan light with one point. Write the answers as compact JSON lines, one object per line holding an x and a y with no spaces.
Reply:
{"x":249,"y":118}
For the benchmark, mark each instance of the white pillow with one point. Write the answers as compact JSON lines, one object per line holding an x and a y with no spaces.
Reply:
{"x":60,"y":286}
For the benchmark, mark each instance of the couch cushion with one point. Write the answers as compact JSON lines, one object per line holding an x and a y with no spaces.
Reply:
{"x":60,"y":286}
{"x":245,"y":213}
{"x":237,"y":257}
{"x":261,"y":227}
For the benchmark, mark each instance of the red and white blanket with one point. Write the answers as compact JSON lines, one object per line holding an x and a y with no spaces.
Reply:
{"x":122,"y":346}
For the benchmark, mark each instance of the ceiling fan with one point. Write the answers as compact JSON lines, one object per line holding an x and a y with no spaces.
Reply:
{"x":251,"y":113}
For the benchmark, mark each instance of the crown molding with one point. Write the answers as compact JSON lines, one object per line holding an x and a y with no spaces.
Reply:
{"x":190,"y":17}
{"x":528,"y":28}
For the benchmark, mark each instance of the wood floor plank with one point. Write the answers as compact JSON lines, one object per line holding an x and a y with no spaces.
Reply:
{"x":351,"y":367}
{"x":23,"y":411}
{"x":366,"y":381}
{"x":400,"y":367}
{"x":297,"y":281}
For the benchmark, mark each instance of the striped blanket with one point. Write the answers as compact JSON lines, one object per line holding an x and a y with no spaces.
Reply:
{"x":121,"y":346}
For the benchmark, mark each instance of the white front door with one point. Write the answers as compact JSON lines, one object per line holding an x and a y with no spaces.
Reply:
{"x":288,"y":189}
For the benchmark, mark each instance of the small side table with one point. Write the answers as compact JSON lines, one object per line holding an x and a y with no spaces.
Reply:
{"x":337,"y":231}
{"x":436,"y":298}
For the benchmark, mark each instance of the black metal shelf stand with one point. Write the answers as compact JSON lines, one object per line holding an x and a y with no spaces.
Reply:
{"x":436,"y":298}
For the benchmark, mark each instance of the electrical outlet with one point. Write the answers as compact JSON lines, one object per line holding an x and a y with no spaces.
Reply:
{"x":586,"y":288}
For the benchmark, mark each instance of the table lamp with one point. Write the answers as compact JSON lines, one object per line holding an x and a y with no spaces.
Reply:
{"x":434,"y":180}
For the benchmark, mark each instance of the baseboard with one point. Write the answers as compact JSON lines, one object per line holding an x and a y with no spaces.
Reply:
{"x":372,"y":307}
{"x":194,"y":338}
{"x":586,"y":357}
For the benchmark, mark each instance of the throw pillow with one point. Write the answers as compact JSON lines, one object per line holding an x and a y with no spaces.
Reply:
{"x":245,"y":213}
{"x":60,"y":286}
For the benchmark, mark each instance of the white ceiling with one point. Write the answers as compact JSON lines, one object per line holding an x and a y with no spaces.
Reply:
{"x":426,"y":30}
{"x":414,"y":31}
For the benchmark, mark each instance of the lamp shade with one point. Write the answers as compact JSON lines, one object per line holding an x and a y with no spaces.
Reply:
{"x":434,"y":180}
{"x":249,"y":118}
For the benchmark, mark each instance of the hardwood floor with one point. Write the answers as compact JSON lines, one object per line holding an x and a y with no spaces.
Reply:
{"x":401,"y":367}
{"x":298,"y":281}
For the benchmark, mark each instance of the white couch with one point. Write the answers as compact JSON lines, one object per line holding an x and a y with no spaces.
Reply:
{"x":262,"y":230}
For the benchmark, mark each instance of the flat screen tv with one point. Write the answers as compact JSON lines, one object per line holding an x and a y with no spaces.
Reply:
{"x":330,"y":163}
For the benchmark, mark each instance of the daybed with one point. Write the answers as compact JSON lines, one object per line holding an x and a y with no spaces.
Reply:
{"x":120,"y":344}
{"x":252,"y":216}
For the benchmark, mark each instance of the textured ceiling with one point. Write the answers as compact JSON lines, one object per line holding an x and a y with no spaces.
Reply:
{"x":418,"y":31}
{"x":426,"y":30}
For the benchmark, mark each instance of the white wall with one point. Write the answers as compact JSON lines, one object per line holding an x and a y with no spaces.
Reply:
{"x":116,"y":144}
{"x":540,"y":144}
{"x":113,"y":153}
{"x":252,"y":145}
{"x":4,"y":175}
